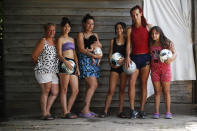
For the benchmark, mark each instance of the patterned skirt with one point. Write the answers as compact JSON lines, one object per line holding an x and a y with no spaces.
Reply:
{"x":87,"y":69}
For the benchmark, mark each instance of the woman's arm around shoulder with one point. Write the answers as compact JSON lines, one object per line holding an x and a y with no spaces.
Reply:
{"x":37,"y":50}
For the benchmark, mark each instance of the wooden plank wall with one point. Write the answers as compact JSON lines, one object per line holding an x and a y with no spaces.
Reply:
{"x":23,"y":24}
{"x":1,"y":65}
{"x":1,"y":80}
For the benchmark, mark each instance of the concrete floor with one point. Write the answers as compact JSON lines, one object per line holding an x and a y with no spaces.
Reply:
{"x":112,"y":123}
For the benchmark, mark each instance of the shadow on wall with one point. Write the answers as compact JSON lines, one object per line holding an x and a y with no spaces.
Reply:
{"x":1,"y":64}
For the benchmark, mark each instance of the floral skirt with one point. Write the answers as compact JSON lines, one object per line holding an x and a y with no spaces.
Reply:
{"x":87,"y":69}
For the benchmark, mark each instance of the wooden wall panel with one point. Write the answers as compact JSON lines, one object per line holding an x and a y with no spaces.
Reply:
{"x":23,"y":23}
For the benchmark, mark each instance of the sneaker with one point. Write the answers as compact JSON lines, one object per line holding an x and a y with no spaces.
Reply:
{"x":168,"y":115}
{"x":141,"y":114}
{"x":156,"y":115}
{"x":133,"y":114}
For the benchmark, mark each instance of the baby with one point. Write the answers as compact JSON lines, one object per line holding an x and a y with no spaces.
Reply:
{"x":94,"y":49}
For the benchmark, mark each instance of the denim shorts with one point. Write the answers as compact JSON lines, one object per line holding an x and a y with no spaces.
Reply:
{"x":141,"y":60}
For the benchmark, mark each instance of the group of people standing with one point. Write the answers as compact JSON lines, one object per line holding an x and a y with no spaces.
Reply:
{"x":140,"y":43}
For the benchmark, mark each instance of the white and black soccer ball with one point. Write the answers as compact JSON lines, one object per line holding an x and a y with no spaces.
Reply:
{"x":68,"y":71}
{"x":115,"y":58}
{"x":98,"y":51}
{"x":131,"y":69}
{"x":164,"y":55}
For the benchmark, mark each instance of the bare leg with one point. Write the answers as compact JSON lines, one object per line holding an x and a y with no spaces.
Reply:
{"x":92,"y":84}
{"x":99,"y":61}
{"x":75,"y":90}
{"x":144,"y":73}
{"x":166,"y":89}
{"x":123,"y":81}
{"x":158,"y":91}
{"x":131,"y":92}
{"x":52,"y":97}
{"x":45,"y":89}
{"x":93,"y":61}
{"x":64,"y":80}
{"x":112,"y":85}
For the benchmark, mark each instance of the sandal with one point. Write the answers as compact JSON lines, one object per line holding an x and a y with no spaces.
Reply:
{"x":53,"y":115}
{"x":47,"y":117}
{"x":88,"y":115}
{"x":122,"y":115}
{"x":69,"y":116}
{"x":104,"y":114}
{"x":94,"y":114}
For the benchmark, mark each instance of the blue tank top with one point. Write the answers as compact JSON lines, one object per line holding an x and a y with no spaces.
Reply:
{"x":68,"y":46}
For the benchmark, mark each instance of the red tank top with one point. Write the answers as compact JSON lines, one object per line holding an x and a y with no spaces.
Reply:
{"x":139,"y":39}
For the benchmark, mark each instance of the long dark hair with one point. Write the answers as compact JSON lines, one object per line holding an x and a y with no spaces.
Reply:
{"x":143,"y":20}
{"x":165,"y":42}
{"x":122,"y":24}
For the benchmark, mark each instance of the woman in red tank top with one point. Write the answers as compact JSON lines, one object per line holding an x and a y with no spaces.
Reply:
{"x":137,"y":51}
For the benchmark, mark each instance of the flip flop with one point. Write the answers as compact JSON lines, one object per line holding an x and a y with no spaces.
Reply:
{"x":69,"y":116}
{"x":48,"y":117}
{"x":88,"y":115}
{"x":104,"y":114}
{"x":94,"y":114}
{"x":53,"y":115}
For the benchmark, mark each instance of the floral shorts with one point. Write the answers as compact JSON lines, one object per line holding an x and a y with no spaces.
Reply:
{"x":87,"y":69}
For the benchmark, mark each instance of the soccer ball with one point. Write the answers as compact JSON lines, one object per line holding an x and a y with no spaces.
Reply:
{"x":68,"y":71}
{"x":98,"y":51}
{"x":115,"y":58}
{"x":165,"y":54}
{"x":131,"y":69}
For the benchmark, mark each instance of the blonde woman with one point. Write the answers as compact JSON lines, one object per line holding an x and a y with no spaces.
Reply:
{"x":46,"y":66}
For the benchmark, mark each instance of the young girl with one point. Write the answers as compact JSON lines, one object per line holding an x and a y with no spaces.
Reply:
{"x":118,"y":44}
{"x":66,"y":53}
{"x":160,"y":72}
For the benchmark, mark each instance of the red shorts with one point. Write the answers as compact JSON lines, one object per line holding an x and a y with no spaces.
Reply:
{"x":161,"y":74}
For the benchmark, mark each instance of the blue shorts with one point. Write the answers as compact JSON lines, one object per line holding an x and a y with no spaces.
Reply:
{"x":141,"y":60}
